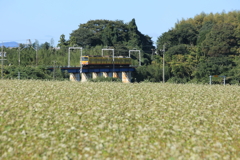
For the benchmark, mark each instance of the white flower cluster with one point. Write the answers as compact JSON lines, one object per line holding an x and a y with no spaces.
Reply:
{"x":64,"y":120}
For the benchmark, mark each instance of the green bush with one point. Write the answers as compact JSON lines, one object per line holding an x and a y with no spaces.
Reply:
{"x":105,"y":79}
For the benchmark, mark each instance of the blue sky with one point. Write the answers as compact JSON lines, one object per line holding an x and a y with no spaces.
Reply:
{"x":47,"y":19}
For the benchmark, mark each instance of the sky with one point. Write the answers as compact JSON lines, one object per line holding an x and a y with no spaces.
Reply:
{"x":44,"y":20}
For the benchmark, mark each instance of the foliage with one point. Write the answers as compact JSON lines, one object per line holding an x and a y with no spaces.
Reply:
{"x":169,"y":38}
{"x":28,"y":72}
{"x":62,"y":41}
{"x":104,"y":79}
{"x":203,"y":31}
{"x":205,"y":45}
{"x":111,"y":33}
{"x":178,"y":49}
{"x":220,"y":41}
{"x":151,"y":73}
{"x":187,"y":34}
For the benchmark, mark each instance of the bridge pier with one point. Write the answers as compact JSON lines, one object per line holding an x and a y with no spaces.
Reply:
{"x":74,"y":77}
{"x":94,"y":75}
{"x":123,"y":73}
{"x":124,"y":76}
{"x":105,"y":74}
{"x":84,"y":77}
{"x":115,"y":75}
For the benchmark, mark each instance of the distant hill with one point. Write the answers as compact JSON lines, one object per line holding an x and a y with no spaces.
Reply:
{"x":9,"y":44}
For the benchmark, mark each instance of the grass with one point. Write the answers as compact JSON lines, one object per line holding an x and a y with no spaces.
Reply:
{"x":67,"y":120}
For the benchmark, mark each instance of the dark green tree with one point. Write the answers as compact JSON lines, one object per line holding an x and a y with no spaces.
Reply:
{"x":169,"y":38}
{"x":205,"y":29}
{"x":220,"y":41}
{"x":107,"y":36}
{"x":178,"y":49}
{"x":84,"y":37}
{"x":134,"y":35}
{"x":45,"y":46}
{"x":186,"y":34}
{"x":62,"y":42}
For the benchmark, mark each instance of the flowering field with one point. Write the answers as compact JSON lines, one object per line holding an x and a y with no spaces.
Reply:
{"x":70,"y":120}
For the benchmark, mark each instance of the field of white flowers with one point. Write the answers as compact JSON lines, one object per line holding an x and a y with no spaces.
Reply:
{"x":71,"y":120}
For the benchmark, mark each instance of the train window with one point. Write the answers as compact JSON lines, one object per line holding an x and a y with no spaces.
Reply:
{"x":84,"y":58}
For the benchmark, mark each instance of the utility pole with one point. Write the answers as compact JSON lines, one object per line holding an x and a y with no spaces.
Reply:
{"x":163,"y":64}
{"x":19,"y":58}
{"x":18,"y":61}
{"x":29,"y":40}
{"x":36,"y":53}
{"x":152,"y":54}
{"x":2,"y":61}
{"x":54,"y":69}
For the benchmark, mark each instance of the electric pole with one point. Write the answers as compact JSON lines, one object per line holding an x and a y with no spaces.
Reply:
{"x":36,"y":53}
{"x":3,"y":55}
{"x":54,"y":69}
{"x":163,"y":64}
{"x":2,"y":62}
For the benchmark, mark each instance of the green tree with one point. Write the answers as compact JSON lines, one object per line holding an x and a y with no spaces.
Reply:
{"x":83,"y":37}
{"x":178,"y":49}
{"x":107,"y":36}
{"x":112,"y":33}
{"x":169,"y":38}
{"x":186,"y":34}
{"x":205,"y":29}
{"x":62,"y":42}
{"x":134,"y":34}
{"x":45,"y":46}
{"x":220,"y":41}
{"x":72,"y":41}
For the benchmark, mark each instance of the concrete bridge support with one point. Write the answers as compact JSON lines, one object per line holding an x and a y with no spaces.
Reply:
{"x":105,"y":74}
{"x":124,"y":76}
{"x":115,"y":75}
{"x":74,"y":77}
{"x":94,"y":75}
{"x":84,"y":77}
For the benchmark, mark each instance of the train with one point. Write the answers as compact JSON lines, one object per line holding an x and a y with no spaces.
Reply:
{"x":106,"y":60}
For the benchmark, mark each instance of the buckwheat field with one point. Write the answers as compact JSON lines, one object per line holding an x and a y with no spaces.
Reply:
{"x":72,"y":120}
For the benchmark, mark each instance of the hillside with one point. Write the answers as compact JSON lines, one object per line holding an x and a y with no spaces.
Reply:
{"x":9,"y":44}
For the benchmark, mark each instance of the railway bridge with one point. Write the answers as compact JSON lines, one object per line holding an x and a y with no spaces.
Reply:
{"x":95,"y":66}
{"x":88,"y":72}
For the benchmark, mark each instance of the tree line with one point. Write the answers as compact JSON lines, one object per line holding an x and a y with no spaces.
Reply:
{"x":208,"y":44}
{"x":195,"y":48}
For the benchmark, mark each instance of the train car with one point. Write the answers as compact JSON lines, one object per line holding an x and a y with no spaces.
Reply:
{"x":108,"y":60}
